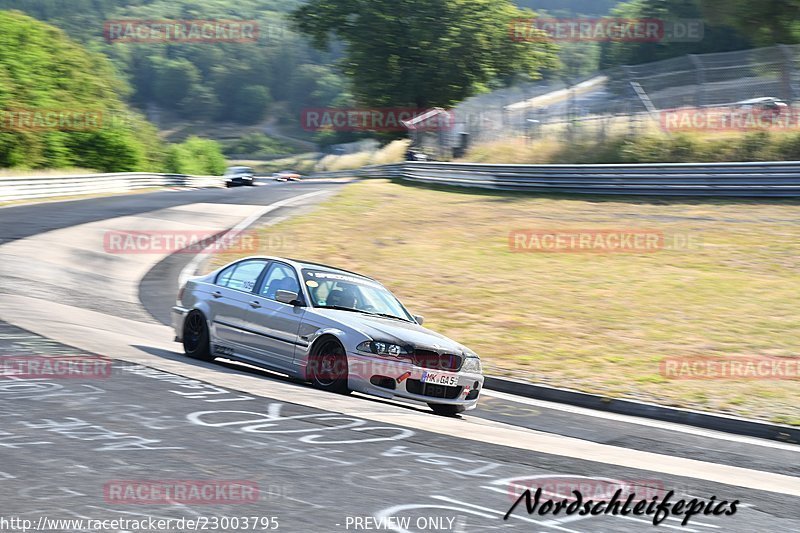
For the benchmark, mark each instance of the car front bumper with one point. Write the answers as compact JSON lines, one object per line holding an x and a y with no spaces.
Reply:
{"x":388,"y":378}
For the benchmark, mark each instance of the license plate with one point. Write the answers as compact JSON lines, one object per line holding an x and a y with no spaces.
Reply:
{"x":434,"y":378}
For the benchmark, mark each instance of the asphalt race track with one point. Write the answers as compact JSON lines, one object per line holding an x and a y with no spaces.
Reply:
{"x":73,"y":449}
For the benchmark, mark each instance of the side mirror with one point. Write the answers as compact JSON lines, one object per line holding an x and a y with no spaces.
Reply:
{"x":419,"y":319}
{"x":287,"y":297}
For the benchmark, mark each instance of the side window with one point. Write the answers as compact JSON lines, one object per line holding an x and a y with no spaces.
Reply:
{"x":225,"y":276}
{"x":280,"y":277}
{"x":243,"y":277}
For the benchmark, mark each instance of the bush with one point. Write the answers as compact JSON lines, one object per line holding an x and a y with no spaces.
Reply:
{"x":646,"y":148}
{"x":258,"y":145}
{"x":789,"y":147}
{"x":107,"y":151}
{"x":196,"y":156}
{"x":251,"y":104}
{"x":42,"y":70}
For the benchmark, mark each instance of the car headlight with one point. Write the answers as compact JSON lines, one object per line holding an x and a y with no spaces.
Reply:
{"x":472,"y":365}
{"x":382,"y":348}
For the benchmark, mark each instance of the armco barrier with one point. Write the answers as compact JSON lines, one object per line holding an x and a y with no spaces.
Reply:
{"x":772,"y":179}
{"x":778,"y":179}
{"x":30,"y":187}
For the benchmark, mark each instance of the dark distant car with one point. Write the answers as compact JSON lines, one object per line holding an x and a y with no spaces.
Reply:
{"x":287,"y":175}
{"x":238,"y":176}
{"x":415,"y":155}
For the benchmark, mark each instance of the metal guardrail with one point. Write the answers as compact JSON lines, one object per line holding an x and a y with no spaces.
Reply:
{"x":772,"y":179}
{"x":769,"y":179}
{"x":32,"y":187}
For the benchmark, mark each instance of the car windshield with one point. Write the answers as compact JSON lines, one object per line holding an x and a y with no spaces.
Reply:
{"x":344,"y":291}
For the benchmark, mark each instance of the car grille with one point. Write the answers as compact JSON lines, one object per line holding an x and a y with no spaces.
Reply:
{"x":437,"y":361}
{"x":415,"y":386}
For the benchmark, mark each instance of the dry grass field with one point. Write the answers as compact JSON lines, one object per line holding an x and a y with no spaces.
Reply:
{"x":596,"y":322}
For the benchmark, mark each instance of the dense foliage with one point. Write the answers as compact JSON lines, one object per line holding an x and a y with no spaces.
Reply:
{"x":682,"y":148}
{"x":195,"y":156}
{"x":423,"y":53}
{"x":62,"y":106}
{"x":221,"y":81}
{"x":42,"y":70}
{"x":718,"y":34}
{"x":389,"y":53}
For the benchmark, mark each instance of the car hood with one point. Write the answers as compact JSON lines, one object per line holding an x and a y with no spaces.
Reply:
{"x":394,"y":331}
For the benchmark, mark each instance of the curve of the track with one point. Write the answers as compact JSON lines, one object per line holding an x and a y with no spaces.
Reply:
{"x":391,"y":459}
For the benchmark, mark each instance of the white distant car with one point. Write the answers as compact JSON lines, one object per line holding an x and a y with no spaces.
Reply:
{"x":766,"y":106}
{"x":237,"y":176}
{"x":287,"y":175}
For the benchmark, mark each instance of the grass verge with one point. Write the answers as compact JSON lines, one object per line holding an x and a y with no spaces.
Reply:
{"x":642,"y":148}
{"x":600,"y":323}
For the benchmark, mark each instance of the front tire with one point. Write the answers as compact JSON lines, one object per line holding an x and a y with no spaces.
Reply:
{"x":328,"y":367}
{"x":447,"y":410}
{"x":196,"y":338}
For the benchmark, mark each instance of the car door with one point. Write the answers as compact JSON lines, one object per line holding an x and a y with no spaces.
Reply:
{"x":272,"y":326}
{"x":230,"y":298}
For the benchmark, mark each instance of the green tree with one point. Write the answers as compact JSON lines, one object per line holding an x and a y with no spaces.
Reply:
{"x":318,"y":86}
{"x":718,"y":36}
{"x":765,"y":22}
{"x":423,"y":53}
{"x":175,"y":80}
{"x":578,"y":59}
{"x":222,"y":68}
{"x":196,"y":156}
{"x":251,"y":104}
{"x":43,"y":72}
{"x":201,"y":104}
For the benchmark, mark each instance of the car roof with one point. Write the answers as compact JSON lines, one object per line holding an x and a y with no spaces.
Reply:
{"x":321,"y":266}
{"x":300,"y":263}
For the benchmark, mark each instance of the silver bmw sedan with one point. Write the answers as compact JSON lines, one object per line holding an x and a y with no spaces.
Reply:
{"x":337,"y":329}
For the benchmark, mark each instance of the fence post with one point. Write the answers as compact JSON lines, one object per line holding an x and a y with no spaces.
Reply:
{"x":787,"y":73}
{"x":700,"y":78}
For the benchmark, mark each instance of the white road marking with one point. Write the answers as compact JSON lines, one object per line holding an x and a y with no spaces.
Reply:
{"x":191,"y":268}
{"x":628,"y":419}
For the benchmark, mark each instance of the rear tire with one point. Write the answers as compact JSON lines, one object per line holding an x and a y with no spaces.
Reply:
{"x":447,"y":410}
{"x":196,"y":338}
{"x":328,"y":366}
